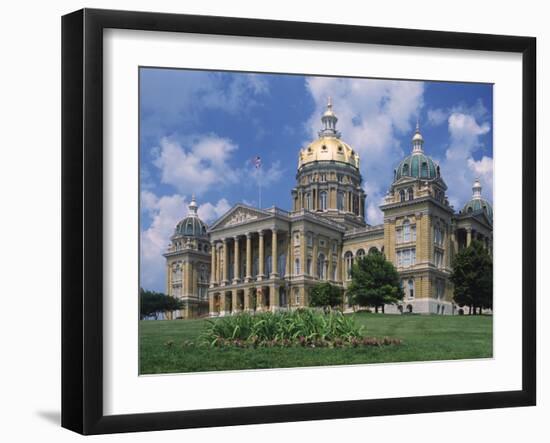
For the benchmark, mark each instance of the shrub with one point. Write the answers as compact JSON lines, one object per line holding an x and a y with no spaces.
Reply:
{"x":302,"y":327}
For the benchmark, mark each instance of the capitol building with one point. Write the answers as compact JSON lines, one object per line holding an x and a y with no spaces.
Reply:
{"x":254,"y":259}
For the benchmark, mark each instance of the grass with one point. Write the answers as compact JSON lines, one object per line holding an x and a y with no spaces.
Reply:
{"x":166,"y":346}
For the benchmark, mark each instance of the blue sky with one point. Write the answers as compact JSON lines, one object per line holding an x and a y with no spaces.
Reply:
{"x":199,"y":131}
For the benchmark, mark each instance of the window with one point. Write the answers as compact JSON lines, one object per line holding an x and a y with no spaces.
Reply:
{"x":402,"y":195}
{"x":406,"y":257}
{"x":308,"y":266}
{"x":340,"y":201}
{"x":410,"y":194}
{"x":438,"y":258}
{"x":255,"y":266}
{"x":297,"y":295}
{"x":440,"y":288}
{"x":410,"y":288}
{"x":297,"y":266}
{"x":348,"y":261}
{"x":424,"y":170}
{"x":334,"y":247}
{"x":406,"y":169}
{"x":322,"y":267}
{"x":308,"y":200}
{"x":373,"y":250}
{"x":310,"y":240}
{"x":267,"y":265}
{"x":323,"y":177}
{"x":333,"y":276}
{"x":406,"y":231}
{"x":360,"y":254}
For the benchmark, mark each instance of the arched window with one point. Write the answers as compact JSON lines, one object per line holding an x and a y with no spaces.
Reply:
{"x":308,"y":200}
{"x":360,"y":254}
{"x":424,"y":170}
{"x":322,"y":267}
{"x":297,"y":266}
{"x":410,"y":288}
{"x":308,"y":264}
{"x":348,"y":261}
{"x":402,"y":195}
{"x":410,"y":193}
{"x":406,"y":231}
{"x":373,"y":250}
{"x":340,"y":201}
{"x":323,"y":200}
{"x":406,"y":169}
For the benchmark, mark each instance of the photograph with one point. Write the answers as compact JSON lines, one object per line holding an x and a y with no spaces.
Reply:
{"x":304,"y":220}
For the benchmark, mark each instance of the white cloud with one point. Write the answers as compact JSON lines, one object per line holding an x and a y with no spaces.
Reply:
{"x":459,"y":169}
{"x":437,"y":116}
{"x":165,"y":212}
{"x":371,"y":114}
{"x":209,"y":212}
{"x":197,"y":166}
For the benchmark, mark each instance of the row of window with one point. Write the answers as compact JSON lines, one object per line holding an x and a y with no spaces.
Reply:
{"x":323,"y":201}
{"x":322,"y":177}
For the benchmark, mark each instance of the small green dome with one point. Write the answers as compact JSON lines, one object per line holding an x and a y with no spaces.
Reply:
{"x":192,"y":225}
{"x":417,"y":165}
{"x":478,"y":205}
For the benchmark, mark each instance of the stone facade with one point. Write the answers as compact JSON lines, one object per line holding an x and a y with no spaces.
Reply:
{"x":268,"y":259}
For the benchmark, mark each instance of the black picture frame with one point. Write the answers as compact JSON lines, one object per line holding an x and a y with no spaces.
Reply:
{"x":82,"y":233}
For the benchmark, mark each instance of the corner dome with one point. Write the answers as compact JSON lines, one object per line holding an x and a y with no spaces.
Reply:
{"x":192,"y":225}
{"x":477,"y":203}
{"x":329,"y":146}
{"x":418,"y":164}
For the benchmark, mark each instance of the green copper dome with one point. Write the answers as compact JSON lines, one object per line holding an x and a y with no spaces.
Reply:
{"x":418,"y":164}
{"x":192,"y":225}
{"x":478,"y":203}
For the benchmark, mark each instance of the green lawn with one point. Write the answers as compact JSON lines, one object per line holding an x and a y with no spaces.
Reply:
{"x":424,"y":338}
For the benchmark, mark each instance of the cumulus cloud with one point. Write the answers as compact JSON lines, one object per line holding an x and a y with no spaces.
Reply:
{"x":459,"y":167}
{"x":197,"y":164}
{"x":372,"y":114}
{"x":164,"y":213}
{"x":172,"y":99}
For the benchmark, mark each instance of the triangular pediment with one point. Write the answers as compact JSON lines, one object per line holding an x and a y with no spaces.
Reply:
{"x":239,"y":214}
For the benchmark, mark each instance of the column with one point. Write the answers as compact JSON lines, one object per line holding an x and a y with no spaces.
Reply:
{"x":188,"y":283}
{"x":468,"y":236}
{"x":211,"y":303}
{"x":234,"y":302}
{"x":273,"y":298}
{"x":339,"y":260}
{"x":274,"y":273}
{"x":236,"y":264}
{"x":213,"y":251}
{"x":246,"y":301}
{"x":222,"y":303}
{"x":303,"y":253}
{"x":314,"y":258}
{"x":330,"y":262}
{"x":225,"y":260}
{"x":248,"y":276}
{"x":260,"y":255}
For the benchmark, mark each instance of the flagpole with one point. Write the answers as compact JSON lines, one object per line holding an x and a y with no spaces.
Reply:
{"x":260,"y":187}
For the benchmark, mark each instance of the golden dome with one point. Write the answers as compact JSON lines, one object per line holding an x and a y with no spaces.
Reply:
{"x":328,"y":147}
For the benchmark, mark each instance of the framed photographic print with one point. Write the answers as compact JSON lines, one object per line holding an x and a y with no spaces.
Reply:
{"x":269,"y":221}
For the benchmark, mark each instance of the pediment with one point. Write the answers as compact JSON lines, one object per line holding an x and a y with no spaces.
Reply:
{"x":239,"y":214}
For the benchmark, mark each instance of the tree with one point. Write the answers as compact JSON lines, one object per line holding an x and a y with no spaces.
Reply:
{"x":472,"y":277}
{"x":151,"y":303}
{"x":374,"y":282}
{"x":325,"y":295}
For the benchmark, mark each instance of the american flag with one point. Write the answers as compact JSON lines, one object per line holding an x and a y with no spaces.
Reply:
{"x":257,"y":161}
